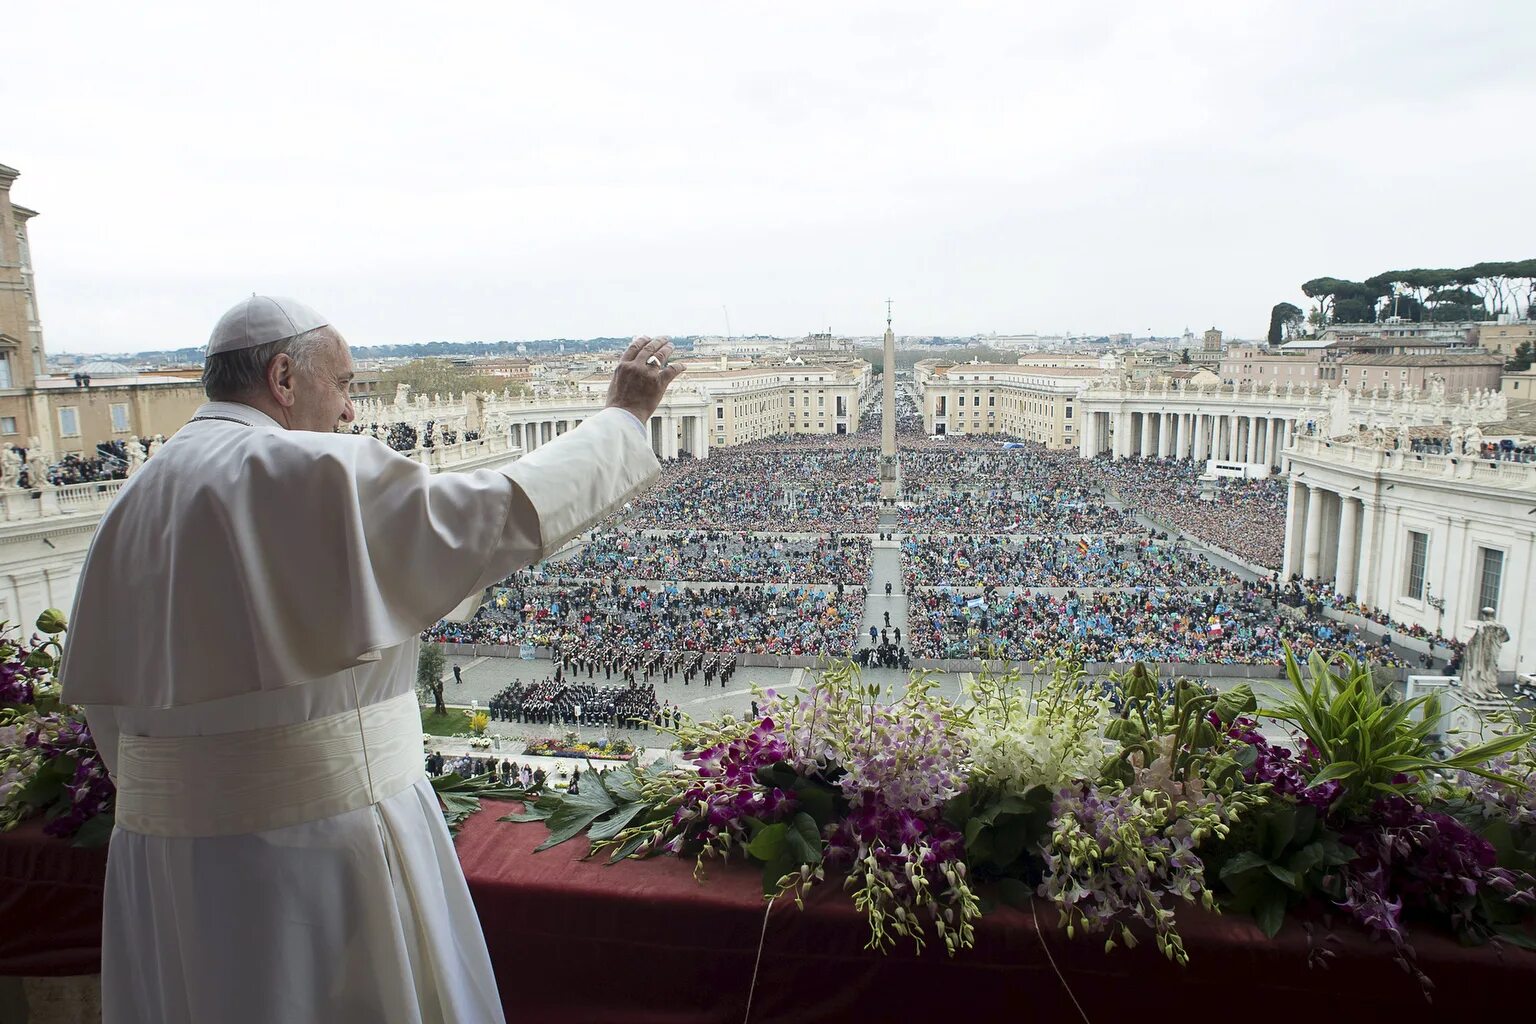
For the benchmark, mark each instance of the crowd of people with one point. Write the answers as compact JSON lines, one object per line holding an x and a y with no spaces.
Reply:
{"x":1096,"y":561}
{"x":965,"y":486}
{"x":736,"y":619}
{"x":792,"y":485}
{"x":1219,"y":627}
{"x":719,"y":556}
{"x":1246,"y":518}
{"x":405,"y":437}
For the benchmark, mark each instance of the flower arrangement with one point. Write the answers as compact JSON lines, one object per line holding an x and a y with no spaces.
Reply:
{"x":1111,"y":804}
{"x":479,"y":722}
{"x":572,"y":745}
{"x":49,"y":764}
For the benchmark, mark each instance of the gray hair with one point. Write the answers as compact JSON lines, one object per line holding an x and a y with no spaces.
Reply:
{"x":233,"y":375}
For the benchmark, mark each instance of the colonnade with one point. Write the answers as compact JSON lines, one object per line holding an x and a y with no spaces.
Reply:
{"x":1330,"y":535}
{"x":670,"y":435}
{"x":1252,"y":438}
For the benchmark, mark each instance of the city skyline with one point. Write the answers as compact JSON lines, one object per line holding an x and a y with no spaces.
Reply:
{"x":543,"y":174}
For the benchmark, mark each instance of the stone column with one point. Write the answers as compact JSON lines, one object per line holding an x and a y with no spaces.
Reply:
{"x":1295,"y":514}
{"x":1312,"y":544}
{"x":1165,"y":436}
{"x":1146,"y":435}
{"x":1253,"y":440}
{"x":1197,"y":436}
{"x":1365,"y":582}
{"x":1181,"y":436}
{"x":1344,"y":578}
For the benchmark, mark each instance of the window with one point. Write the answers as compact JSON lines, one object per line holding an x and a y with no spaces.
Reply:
{"x":1418,"y":556}
{"x":1492,"y":562}
{"x":1069,"y":412}
{"x":791,"y":401}
{"x":962,"y":401}
{"x":69,"y":422}
{"x":120,"y":418}
{"x":5,"y":371}
{"x":991,"y":399}
{"x":719,"y":412}
{"x":7,"y":424}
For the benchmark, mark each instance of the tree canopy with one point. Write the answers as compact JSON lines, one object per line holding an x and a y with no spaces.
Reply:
{"x":1439,"y":294}
{"x":439,"y":377}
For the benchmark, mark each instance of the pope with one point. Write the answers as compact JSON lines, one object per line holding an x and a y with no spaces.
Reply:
{"x":244,"y":642}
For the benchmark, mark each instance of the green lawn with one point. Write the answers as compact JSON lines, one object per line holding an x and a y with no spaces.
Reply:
{"x":454,"y":721}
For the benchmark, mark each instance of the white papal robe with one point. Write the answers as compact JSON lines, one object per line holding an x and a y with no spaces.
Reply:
{"x":244,"y":641}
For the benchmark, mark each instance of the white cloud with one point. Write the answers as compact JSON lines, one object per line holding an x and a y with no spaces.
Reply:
{"x":530,"y":170}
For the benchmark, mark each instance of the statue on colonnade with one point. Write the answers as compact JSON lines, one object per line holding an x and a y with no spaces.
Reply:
{"x":1480,"y":663}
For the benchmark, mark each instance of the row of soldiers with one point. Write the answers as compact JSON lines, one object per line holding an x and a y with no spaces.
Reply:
{"x":555,"y":702}
{"x":631,"y":666}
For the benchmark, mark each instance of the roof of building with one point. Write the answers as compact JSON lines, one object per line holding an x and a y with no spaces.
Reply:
{"x":1435,"y":359}
{"x":105,"y":368}
{"x":1015,"y":369}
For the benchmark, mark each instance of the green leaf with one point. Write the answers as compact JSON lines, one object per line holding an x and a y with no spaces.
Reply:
{"x":1285,"y":876}
{"x":1248,"y":860}
{"x":1270,"y":915}
{"x":958,"y":810}
{"x":776,"y":869}
{"x":1009,"y":840}
{"x":817,"y":801}
{"x":96,"y":831}
{"x":616,"y":822}
{"x":803,"y":839}
{"x":1014,"y":893}
{"x":628,"y":847}
{"x":1336,"y":770}
{"x":770,"y":843}
{"x":1282,"y":829}
{"x":574,"y":814}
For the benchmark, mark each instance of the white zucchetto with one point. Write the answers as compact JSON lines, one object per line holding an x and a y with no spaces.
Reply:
{"x":260,"y":320}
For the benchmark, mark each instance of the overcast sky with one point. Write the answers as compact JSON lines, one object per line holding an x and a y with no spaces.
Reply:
{"x":421,"y":171}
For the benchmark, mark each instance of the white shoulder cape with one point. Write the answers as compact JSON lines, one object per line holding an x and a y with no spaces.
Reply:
{"x":247,"y":557}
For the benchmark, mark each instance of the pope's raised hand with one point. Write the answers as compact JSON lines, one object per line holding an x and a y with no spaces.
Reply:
{"x":642,"y":377}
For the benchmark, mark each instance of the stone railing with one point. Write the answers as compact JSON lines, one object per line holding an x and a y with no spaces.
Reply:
{"x":1472,"y":468}
{"x":20,"y":504}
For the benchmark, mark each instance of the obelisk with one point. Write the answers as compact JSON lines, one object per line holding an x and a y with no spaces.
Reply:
{"x":890,"y":469}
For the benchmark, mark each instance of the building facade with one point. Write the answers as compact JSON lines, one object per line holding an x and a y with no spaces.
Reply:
{"x":1505,"y":338}
{"x":747,"y":403}
{"x":1037,"y":403}
{"x":1429,"y":539}
{"x":22,"y":356}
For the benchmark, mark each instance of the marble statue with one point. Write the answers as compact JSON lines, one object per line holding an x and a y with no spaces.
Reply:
{"x":1480,"y":663}
{"x":154,"y":445}
{"x":1456,"y":435}
{"x":1472,"y":440}
{"x":1404,"y":441}
{"x":1290,"y":388}
{"x":402,"y":395}
{"x":474,"y":412}
{"x":136,"y":456}
{"x":37,"y":466}
{"x":1338,"y":411}
{"x":10,"y":467}
{"x":1274,"y":389}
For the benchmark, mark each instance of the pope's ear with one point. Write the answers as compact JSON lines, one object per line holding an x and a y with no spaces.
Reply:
{"x":280,"y":373}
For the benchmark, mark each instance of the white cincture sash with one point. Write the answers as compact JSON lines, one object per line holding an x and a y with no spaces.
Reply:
{"x":244,"y":782}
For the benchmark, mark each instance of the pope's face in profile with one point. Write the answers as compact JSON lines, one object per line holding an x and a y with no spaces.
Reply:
{"x":322,"y":398}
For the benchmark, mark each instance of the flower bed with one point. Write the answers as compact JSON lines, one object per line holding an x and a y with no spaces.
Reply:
{"x":1111,"y":808}
{"x":571,"y":746}
{"x":49,"y":764}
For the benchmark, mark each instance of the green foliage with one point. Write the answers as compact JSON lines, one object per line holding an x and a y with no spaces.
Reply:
{"x":1368,"y":743}
{"x":1150,"y":726}
{"x":1441,"y":294}
{"x":461,"y":797}
{"x":1276,"y":858}
{"x":438,"y":377}
{"x":1522,"y":358}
